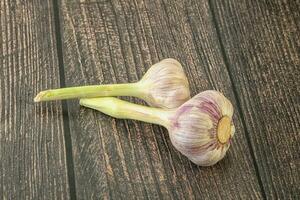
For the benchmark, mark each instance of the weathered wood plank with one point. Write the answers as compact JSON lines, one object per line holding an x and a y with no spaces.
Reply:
{"x":116,"y":41}
{"x":261,"y":42}
{"x":32,"y":154}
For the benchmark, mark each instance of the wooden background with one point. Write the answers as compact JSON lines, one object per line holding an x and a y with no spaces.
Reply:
{"x":249,"y":50}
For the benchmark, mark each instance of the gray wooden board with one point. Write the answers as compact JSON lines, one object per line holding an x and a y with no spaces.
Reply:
{"x":32,"y":152}
{"x":261,"y":42}
{"x":116,"y":42}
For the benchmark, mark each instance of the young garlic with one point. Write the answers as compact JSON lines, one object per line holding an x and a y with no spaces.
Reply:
{"x":200,"y":129}
{"x":164,"y":85}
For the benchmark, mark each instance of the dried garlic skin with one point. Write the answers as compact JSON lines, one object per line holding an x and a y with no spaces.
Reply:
{"x":196,"y":130}
{"x":166,"y":83}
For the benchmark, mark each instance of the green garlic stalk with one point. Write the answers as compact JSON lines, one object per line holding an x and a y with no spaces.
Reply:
{"x":164,"y":85}
{"x":201,"y":128}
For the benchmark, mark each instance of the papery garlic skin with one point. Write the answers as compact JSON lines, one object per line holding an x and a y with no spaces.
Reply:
{"x":193,"y":131}
{"x":166,"y":83}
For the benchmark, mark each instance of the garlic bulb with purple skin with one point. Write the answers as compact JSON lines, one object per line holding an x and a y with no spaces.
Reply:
{"x":201,"y":128}
{"x":164,"y":85}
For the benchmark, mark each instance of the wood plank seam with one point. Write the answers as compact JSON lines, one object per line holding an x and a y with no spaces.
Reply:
{"x":66,"y":126}
{"x":226,"y":62}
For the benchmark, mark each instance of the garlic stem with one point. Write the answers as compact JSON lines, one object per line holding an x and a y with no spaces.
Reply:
{"x":129,"y":89}
{"x":125,"y":110}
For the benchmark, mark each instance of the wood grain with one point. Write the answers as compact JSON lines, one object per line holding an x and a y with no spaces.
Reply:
{"x":32,"y":153}
{"x":117,"y":41}
{"x":261,"y":42}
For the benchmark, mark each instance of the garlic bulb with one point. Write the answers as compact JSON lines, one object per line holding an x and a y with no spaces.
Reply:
{"x":200,"y":129}
{"x":164,"y":85}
